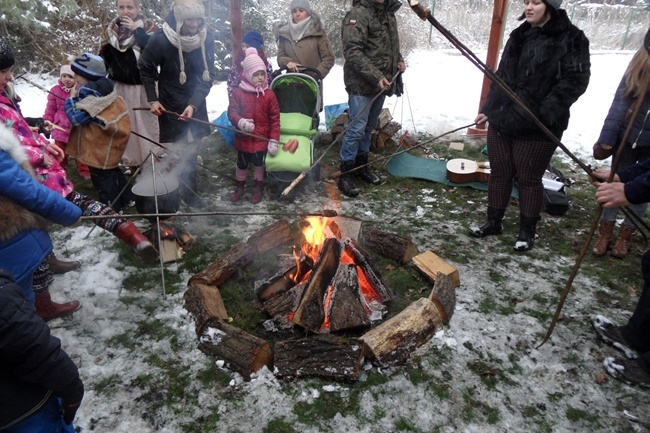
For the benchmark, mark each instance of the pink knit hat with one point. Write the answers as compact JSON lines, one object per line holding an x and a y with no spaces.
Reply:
{"x":252,"y":63}
{"x":66,"y":69}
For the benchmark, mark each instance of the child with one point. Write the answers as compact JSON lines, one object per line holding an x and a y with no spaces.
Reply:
{"x":55,"y":113}
{"x":251,"y":39}
{"x":254,"y":109}
{"x":100,"y":129}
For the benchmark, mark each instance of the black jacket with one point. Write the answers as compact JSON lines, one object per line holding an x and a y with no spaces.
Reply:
{"x":617,"y":120}
{"x":548,"y":68}
{"x":123,"y":66}
{"x":33,"y":367}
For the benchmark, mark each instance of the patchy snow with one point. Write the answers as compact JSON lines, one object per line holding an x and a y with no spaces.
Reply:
{"x":442,"y":94}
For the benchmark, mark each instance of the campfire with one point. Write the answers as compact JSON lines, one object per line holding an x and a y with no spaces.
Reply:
{"x":174,"y":240}
{"x":327,"y":305}
{"x":331,"y":287}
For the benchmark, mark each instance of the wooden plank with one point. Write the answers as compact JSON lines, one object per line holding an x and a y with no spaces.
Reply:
{"x":393,"y":341}
{"x":430,"y":264}
{"x":444,"y":296}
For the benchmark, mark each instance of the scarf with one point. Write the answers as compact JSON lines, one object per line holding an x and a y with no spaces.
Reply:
{"x":188,"y":44}
{"x":246,"y":86}
{"x":298,"y":30}
{"x":121,"y":38}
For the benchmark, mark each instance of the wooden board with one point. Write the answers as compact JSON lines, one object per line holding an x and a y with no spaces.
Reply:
{"x":430,"y":264}
{"x":393,"y":341}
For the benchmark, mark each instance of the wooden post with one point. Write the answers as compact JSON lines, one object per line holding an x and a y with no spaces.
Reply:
{"x":235,"y":28}
{"x":494,"y":44}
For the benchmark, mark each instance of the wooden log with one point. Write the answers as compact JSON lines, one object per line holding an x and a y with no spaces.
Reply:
{"x":243,"y":352}
{"x":204,"y":302}
{"x":310,"y":313}
{"x":344,"y":309}
{"x":384,"y":119}
{"x":271,"y":236}
{"x":349,"y":227}
{"x":444,"y":296}
{"x":236,"y":258}
{"x":389,"y":245}
{"x":334,"y":358}
{"x":282,"y":281}
{"x":370,"y":272}
{"x":393,"y":341}
{"x":430,"y":264}
{"x":284,"y":304}
{"x":408,"y":141}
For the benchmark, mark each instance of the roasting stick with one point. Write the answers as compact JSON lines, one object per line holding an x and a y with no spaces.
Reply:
{"x":328,"y":213}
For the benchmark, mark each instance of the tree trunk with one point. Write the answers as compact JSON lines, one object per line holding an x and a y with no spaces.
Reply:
{"x":389,"y":245}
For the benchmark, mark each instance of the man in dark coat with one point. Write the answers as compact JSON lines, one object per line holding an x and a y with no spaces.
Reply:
{"x":372,"y":58}
{"x":38,"y":379}
{"x":184,"y":51}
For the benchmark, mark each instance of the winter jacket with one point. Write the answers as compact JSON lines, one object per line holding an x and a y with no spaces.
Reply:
{"x":617,"y":120}
{"x":100,"y":125}
{"x":313,"y":50}
{"x":265,"y":112}
{"x":548,"y":68}
{"x":173,"y":95}
{"x":123,"y":65}
{"x":54,"y":176}
{"x":34,"y":367}
{"x":235,"y":77}
{"x":370,"y":47}
{"x":24,"y":207}
{"x":55,"y":111}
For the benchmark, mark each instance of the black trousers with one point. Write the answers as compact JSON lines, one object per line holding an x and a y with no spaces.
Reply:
{"x":637,"y":330}
{"x":108,"y":184}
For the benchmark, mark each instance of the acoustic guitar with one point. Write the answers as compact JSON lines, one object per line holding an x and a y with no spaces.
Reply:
{"x":461,"y":170}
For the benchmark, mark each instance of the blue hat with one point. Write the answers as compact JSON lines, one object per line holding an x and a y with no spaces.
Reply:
{"x":89,"y":66}
{"x":253,"y":39}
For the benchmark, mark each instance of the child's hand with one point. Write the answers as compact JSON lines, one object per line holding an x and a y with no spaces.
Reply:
{"x":55,"y":151}
{"x":273,"y":147}
{"x":246,"y":125}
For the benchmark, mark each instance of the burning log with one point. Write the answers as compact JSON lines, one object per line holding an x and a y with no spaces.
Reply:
{"x":243,"y":352}
{"x":393,"y":341}
{"x":270,"y":237}
{"x":335,"y":358}
{"x":430,"y":264}
{"x":282,"y":281}
{"x":374,"y":278}
{"x":344,"y":307}
{"x":389,"y":245}
{"x":310,"y":313}
{"x":281,"y":307}
{"x":236,"y":258}
{"x":444,"y":296}
{"x":204,"y":302}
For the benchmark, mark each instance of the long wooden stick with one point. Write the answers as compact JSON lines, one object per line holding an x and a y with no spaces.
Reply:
{"x":329,"y":213}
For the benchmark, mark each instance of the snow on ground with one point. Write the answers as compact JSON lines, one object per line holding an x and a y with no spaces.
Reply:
{"x":442,"y":91}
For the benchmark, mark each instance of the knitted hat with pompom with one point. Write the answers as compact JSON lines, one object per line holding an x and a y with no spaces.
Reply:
{"x":252,"y":63}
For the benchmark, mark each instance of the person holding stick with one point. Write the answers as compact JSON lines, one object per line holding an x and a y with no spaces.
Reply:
{"x":546,"y":63}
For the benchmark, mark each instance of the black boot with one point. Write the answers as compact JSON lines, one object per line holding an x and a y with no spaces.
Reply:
{"x":527,"y":227}
{"x":365,"y":173}
{"x":492,"y":226}
{"x":346,"y":181}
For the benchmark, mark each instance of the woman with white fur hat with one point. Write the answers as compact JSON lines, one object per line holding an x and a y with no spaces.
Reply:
{"x":180,"y":58}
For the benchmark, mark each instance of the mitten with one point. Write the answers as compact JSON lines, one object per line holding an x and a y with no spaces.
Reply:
{"x":246,"y":125}
{"x":273,"y":147}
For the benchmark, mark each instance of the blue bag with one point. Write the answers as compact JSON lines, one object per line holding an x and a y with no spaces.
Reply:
{"x":332,"y":112}
{"x":228,"y":134}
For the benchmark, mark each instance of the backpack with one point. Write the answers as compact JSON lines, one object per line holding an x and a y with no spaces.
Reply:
{"x":556,"y":203}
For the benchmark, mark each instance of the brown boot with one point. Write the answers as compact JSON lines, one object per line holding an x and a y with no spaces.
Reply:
{"x":130,"y":234}
{"x":258,"y":191}
{"x":605,"y":231}
{"x":60,"y":267}
{"x":47,"y":309}
{"x":622,"y":245}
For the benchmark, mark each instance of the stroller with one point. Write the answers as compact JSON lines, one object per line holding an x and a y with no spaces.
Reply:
{"x":299,"y":98}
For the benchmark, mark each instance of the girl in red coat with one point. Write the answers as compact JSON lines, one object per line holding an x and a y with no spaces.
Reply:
{"x":255,"y":110}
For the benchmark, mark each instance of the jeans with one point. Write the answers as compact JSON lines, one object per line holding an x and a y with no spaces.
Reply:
{"x":357,"y":137}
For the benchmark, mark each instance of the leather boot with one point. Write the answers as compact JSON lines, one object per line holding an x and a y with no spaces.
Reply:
{"x":492,"y":226}
{"x":60,"y":267}
{"x":365,"y":173}
{"x":48,"y":309}
{"x":130,"y":234}
{"x":605,"y":230}
{"x":258,"y":191}
{"x":622,"y":245}
{"x":239,"y":191}
{"x":527,"y":229}
{"x":346,"y":182}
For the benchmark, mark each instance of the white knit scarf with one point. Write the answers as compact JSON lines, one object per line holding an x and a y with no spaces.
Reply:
{"x":188,"y":44}
{"x":298,"y":29}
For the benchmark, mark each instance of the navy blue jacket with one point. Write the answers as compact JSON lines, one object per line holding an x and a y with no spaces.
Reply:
{"x":637,"y":182}
{"x":548,"y":68}
{"x":33,"y":367}
{"x":617,"y":120}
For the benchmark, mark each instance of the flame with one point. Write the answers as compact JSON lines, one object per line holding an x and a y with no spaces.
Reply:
{"x":326,"y":307}
{"x":315,"y":235}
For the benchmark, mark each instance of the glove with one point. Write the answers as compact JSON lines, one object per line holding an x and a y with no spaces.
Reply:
{"x":246,"y":125}
{"x":69,"y":411}
{"x":273,"y":147}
